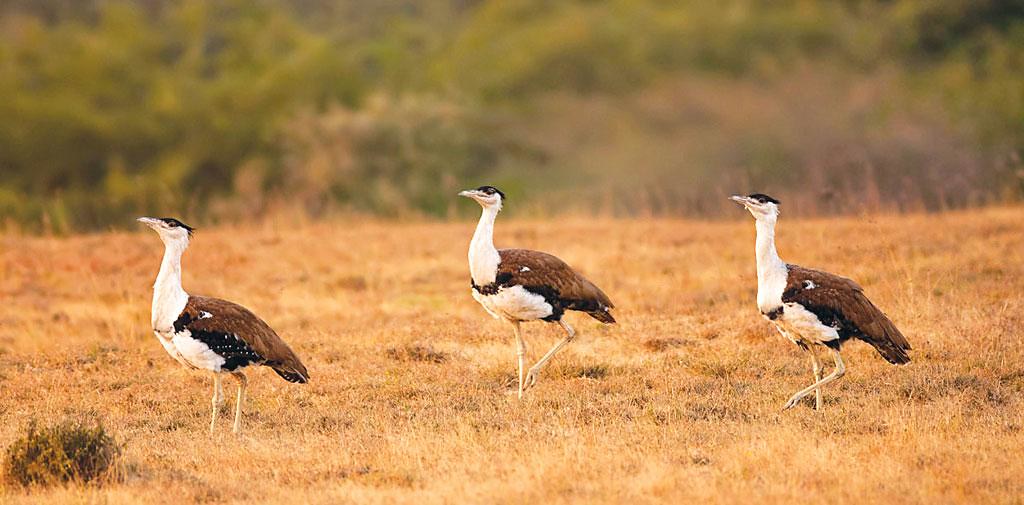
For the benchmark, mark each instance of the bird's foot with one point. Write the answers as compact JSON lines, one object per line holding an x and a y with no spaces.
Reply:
{"x":792,"y":402}
{"x":515,"y":391}
{"x":531,"y":379}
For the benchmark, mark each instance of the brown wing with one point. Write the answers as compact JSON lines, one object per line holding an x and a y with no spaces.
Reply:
{"x":551,"y":277}
{"x":240,"y":335}
{"x":841,"y":303}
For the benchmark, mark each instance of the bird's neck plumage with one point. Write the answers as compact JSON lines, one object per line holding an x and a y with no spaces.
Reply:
{"x":169,"y":298}
{"x":483,"y":257}
{"x":771,"y":270}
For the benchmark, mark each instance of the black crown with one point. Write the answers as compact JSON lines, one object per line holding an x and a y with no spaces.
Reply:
{"x":490,"y":190}
{"x":763,"y":198}
{"x":174,"y":223}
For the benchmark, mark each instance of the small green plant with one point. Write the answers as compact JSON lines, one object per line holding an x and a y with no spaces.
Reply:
{"x":71,"y":451}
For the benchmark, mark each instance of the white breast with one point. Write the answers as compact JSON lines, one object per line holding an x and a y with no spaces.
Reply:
{"x":516,"y":304}
{"x":482,"y":300}
{"x":483,"y":264}
{"x":167,"y":306}
{"x":805,"y":325}
{"x":166,"y":341}
{"x":770,"y":286}
{"x":196,"y":353}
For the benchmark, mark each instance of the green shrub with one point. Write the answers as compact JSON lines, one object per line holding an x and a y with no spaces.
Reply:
{"x":71,"y":451}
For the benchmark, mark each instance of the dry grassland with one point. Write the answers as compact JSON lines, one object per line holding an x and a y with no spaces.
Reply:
{"x":408,"y":400}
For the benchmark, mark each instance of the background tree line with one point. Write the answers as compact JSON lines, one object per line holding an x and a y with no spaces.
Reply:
{"x":226,"y":109}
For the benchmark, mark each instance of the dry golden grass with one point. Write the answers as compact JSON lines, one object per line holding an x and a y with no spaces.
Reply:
{"x":408,"y":400}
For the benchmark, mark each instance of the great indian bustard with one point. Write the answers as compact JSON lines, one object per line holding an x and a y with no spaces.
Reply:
{"x":810,"y":307}
{"x":209,"y":333}
{"x":518,"y":285}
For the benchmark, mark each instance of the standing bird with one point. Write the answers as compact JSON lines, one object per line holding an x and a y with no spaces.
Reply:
{"x":518,"y":285}
{"x":810,"y":307}
{"x":210,"y":333}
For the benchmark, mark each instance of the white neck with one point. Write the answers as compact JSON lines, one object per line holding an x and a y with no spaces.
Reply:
{"x":169,"y":298}
{"x":483,"y":257}
{"x":771,"y":270}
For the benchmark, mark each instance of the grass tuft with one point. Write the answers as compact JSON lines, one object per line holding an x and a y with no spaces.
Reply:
{"x":70,"y":451}
{"x":664,"y":344}
{"x":592,"y":372}
{"x":417,"y":352}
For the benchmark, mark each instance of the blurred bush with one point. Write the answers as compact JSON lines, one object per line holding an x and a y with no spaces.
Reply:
{"x":391,"y":157}
{"x":219,"y":110}
{"x":69,"y":451}
{"x":132,"y":112}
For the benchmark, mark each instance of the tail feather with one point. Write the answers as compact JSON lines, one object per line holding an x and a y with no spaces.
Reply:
{"x":291,"y":376}
{"x":595,"y":303}
{"x":603,"y":315}
{"x":888,"y":340}
{"x":874,"y":327}
{"x":295,"y":372}
{"x":892,"y":352}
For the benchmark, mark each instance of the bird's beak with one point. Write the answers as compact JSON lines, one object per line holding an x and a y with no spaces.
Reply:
{"x":469,"y":193}
{"x":148,"y":221}
{"x":742,"y":200}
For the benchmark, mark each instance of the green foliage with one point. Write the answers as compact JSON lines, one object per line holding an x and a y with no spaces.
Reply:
{"x":114,"y":108}
{"x":134,"y":112}
{"x":392,"y":157}
{"x":67,"y":452}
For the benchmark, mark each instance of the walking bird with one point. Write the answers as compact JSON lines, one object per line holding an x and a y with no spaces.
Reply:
{"x":209,"y":333}
{"x":813,"y":308}
{"x":518,"y":285}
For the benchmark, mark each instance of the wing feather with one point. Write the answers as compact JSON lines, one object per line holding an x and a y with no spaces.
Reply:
{"x":543,"y":273}
{"x":841,"y":302}
{"x":214,"y":315}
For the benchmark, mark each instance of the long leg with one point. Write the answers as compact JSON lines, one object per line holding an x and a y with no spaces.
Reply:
{"x":521,"y":353}
{"x":815,"y":362}
{"x":242,"y":383}
{"x":531,"y":377}
{"x":837,"y":373}
{"x":816,"y":366}
{"x":218,"y":400}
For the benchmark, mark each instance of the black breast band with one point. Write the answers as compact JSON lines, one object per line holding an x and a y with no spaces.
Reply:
{"x":486,"y":289}
{"x":503,"y":280}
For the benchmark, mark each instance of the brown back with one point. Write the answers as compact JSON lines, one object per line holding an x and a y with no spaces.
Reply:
{"x":538,"y":270}
{"x":233,"y":319}
{"x":840,"y":301}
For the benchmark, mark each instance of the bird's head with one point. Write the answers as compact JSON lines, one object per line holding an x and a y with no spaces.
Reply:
{"x":761,"y":206}
{"x":489,"y":197}
{"x":171,"y":230}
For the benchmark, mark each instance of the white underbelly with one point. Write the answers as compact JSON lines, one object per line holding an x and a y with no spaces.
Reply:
{"x":799,"y":324}
{"x":515,"y":303}
{"x":191,"y":352}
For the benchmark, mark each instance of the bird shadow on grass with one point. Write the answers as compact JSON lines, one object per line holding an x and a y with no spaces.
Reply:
{"x":666,"y":344}
{"x":417,"y":352}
